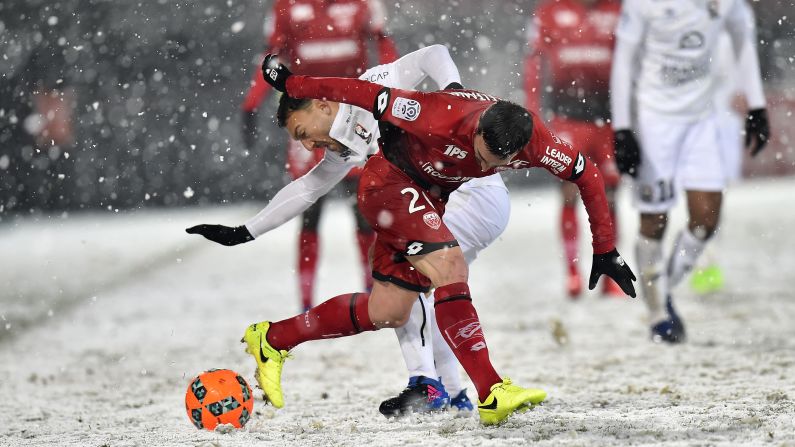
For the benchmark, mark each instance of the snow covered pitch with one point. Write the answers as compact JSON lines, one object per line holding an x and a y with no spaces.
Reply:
{"x":106,"y":316}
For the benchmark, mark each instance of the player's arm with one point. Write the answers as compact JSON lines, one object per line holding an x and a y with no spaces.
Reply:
{"x":629,"y":34}
{"x":410,"y":70}
{"x":289,"y":202}
{"x":562,"y":160}
{"x":396,"y":106}
{"x":387,"y":51}
{"x":740,"y":23}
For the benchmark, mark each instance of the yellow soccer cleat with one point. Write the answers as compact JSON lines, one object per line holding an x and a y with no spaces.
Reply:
{"x":269,"y":362}
{"x":505,"y":398}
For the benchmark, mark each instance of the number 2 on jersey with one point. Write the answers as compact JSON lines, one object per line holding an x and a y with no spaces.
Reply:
{"x":413,"y":208}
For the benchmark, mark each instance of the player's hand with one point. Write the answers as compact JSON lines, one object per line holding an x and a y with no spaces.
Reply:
{"x":614,"y":266}
{"x":221,"y":234}
{"x":627,"y":152}
{"x":275,"y":73}
{"x":757,"y":131}
{"x":249,"y":129}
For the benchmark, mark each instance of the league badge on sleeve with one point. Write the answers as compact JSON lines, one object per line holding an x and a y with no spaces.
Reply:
{"x":406,"y":109}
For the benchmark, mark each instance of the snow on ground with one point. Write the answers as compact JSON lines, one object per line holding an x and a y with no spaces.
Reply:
{"x":107,"y":316}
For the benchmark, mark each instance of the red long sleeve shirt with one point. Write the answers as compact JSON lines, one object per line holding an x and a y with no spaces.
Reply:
{"x":438,"y":142}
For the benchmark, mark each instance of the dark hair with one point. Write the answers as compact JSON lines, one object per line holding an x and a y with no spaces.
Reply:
{"x":506,"y":128}
{"x":288,"y":105}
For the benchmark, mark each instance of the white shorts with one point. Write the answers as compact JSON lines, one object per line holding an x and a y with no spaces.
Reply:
{"x":730,"y":135}
{"x":676,"y":155}
{"x":477,"y":214}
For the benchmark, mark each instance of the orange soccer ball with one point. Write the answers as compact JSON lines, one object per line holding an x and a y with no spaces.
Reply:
{"x":218,"y":396}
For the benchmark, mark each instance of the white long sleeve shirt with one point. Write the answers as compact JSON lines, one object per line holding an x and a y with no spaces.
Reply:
{"x":675,"y":43}
{"x":357,"y":130}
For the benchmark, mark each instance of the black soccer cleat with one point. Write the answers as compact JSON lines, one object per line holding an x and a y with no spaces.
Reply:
{"x":421,"y":395}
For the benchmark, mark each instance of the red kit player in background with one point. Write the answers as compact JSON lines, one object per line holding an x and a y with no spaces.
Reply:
{"x":320,"y":38}
{"x":567,"y":79}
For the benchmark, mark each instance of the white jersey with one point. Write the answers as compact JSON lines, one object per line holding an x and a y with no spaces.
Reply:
{"x":357,"y":130}
{"x":674,"y":41}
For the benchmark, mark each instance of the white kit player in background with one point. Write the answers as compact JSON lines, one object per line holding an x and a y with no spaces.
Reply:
{"x":476,"y":213}
{"x":671,"y":44}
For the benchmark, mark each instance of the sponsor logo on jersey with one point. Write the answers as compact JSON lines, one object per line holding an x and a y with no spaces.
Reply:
{"x":555,"y":160}
{"x":414,"y":248}
{"x":565,"y":18}
{"x":406,"y":109}
{"x":428,"y":168}
{"x":455,"y":151}
{"x":473,"y":95}
{"x":516,"y":164}
{"x":381,"y":103}
{"x":432,"y":220}
{"x":376,"y":77}
{"x":678,"y":71}
{"x":463,"y":331}
{"x":363,"y":133}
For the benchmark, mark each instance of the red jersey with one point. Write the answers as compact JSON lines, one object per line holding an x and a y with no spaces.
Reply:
{"x":323,"y":38}
{"x":432,"y":141}
{"x":571,"y":49}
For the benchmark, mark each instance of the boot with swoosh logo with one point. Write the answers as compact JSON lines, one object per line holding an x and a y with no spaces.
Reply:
{"x":505,"y":398}
{"x":269,"y":362}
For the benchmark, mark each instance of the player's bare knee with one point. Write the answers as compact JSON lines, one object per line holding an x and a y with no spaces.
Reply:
{"x":653,"y":226}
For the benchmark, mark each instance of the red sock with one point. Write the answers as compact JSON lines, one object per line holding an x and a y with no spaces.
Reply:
{"x":307,"y":265}
{"x":461,"y":329}
{"x":569,"y":231}
{"x":340,"y":316}
{"x":365,"y":240}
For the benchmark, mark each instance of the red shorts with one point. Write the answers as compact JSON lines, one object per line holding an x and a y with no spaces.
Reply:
{"x":407,"y":221}
{"x":594,"y":141}
{"x":300,"y":161}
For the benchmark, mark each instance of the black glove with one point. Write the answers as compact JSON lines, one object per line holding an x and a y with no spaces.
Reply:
{"x":454,"y":86}
{"x":627,"y":152}
{"x":275,"y":73}
{"x":223,"y":235}
{"x":249,"y":129}
{"x":757,"y":130}
{"x":612,"y":265}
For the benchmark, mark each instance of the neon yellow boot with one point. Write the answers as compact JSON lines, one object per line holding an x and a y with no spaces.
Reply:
{"x":269,"y":362}
{"x":505,"y":398}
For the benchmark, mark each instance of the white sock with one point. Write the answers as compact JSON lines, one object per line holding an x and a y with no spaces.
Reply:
{"x":446,"y":363}
{"x":684,"y":255}
{"x":653,"y":277}
{"x":415,"y":341}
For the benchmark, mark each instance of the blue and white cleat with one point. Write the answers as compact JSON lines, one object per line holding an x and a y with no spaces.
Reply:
{"x":461,"y":402}
{"x":671,"y":330}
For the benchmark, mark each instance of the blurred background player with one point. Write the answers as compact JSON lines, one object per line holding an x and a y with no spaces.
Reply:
{"x":567,"y":79}
{"x":320,"y":38}
{"x":678,"y":145}
{"x":732,"y":104}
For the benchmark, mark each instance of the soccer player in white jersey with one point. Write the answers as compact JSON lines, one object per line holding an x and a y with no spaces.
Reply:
{"x":476,"y":213}
{"x":673,"y":44}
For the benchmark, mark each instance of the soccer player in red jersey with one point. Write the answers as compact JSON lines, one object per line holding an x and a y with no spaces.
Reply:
{"x":567,"y":78}
{"x":431,"y":143}
{"x":326,"y":38}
